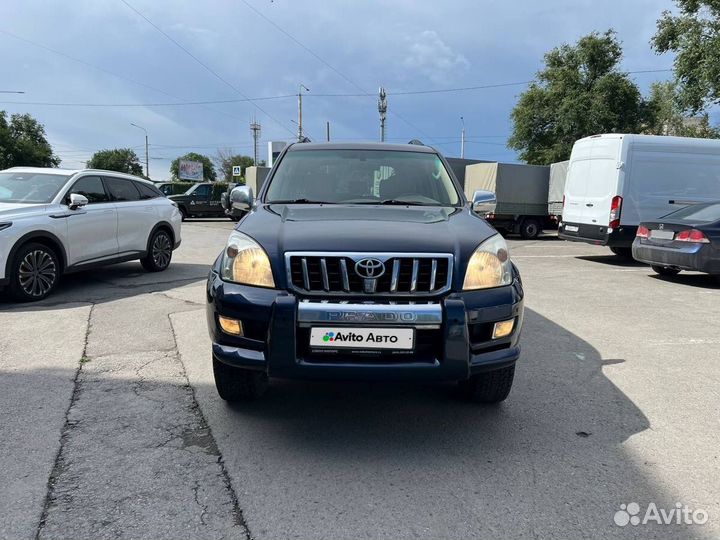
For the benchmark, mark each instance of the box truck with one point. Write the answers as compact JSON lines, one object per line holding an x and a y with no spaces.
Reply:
{"x":521,"y":192}
{"x":615,"y":181}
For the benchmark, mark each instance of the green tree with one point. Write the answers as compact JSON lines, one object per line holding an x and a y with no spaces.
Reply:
{"x":665,"y":115}
{"x":118,"y":159}
{"x":209,"y":174}
{"x":693,"y":34}
{"x":226,"y":160}
{"x":580,"y":92}
{"x":23,"y":143}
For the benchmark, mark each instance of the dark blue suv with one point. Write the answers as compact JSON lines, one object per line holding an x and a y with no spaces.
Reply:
{"x":363,"y":262}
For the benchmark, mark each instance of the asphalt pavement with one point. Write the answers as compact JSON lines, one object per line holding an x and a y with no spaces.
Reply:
{"x":111,"y":426}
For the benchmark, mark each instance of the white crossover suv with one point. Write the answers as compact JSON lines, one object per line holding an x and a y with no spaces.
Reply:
{"x":55,"y":221}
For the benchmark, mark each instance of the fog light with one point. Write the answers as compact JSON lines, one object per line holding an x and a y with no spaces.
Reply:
{"x":503,"y":328}
{"x":231,"y":326}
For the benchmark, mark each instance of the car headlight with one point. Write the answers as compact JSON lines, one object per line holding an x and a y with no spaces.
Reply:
{"x":489,"y":265}
{"x":244,"y":261}
{"x":5,"y":225}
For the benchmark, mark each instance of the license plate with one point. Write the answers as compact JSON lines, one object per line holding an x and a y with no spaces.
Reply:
{"x":571,"y":228}
{"x":362,"y":338}
{"x":662,"y":235}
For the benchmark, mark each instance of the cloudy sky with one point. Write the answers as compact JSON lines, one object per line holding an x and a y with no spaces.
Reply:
{"x":105,"y":52}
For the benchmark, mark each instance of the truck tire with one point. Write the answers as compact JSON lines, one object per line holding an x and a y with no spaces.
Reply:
{"x":665,"y":270}
{"x":624,"y":252}
{"x":530,"y":228}
{"x":34,"y":273}
{"x":237,"y":384}
{"x":491,"y":387}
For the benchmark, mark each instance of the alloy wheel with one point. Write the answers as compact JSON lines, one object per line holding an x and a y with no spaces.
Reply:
{"x":37,"y":273}
{"x":161,"y":250}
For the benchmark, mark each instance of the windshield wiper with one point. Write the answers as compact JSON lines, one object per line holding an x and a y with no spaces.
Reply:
{"x":400,"y":202}
{"x":300,"y":201}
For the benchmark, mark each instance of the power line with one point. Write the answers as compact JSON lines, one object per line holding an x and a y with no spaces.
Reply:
{"x":277,"y":97}
{"x":158,"y":104}
{"x":98,"y":68}
{"x":207,"y":68}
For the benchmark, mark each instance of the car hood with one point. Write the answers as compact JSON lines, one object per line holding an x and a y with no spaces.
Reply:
{"x":13,"y":210}
{"x":363,"y":228}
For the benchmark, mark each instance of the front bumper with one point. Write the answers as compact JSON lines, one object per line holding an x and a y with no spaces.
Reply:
{"x":682,"y":255}
{"x":453,"y":335}
{"x":599,"y":235}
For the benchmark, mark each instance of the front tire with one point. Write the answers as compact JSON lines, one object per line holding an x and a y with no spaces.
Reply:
{"x":490,"y":387}
{"x":237,"y":384}
{"x":159,"y":254}
{"x":34,"y":274}
{"x":665,"y":270}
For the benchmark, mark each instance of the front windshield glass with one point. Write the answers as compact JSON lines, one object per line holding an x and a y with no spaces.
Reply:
{"x":362,"y":177}
{"x":700,"y":213}
{"x":16,"y":187}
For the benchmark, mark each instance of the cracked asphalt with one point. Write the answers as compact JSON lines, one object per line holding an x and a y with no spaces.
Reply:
{"x":111,"y":427}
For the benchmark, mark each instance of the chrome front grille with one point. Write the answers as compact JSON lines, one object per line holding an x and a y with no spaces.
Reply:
{"x":405,"y":274}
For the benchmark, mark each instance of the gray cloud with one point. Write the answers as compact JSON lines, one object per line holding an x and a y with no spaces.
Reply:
{"x":403,"y":45}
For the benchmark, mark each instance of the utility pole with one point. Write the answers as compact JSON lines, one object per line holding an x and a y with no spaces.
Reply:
{"x":255,"y":128}
{"x":327,"y":131}
{"x":147,"y":155}
{"x":301,"y":87}
{"x":462,"y":139}
{"x":382,"y":109}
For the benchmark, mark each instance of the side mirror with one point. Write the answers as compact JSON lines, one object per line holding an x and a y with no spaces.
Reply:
{"x":241,"y":198}
{"x":77,"y":201}
{"x":483,"y":201}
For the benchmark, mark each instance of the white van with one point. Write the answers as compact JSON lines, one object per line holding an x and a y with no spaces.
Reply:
{"x":616,"y":181}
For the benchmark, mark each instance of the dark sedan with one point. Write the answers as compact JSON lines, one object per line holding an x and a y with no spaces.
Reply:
{"x":688,"y":239}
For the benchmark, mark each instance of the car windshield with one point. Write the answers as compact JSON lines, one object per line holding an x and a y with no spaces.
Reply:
{"x":362,"y":177}
{"x":699,"y":213}
{"x":17,"y":187}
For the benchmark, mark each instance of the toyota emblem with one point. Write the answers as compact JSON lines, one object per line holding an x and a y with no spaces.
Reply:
{"x":369,"y":268}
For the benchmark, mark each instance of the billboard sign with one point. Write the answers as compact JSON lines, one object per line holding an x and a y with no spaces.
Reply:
{"x":190,"y":170}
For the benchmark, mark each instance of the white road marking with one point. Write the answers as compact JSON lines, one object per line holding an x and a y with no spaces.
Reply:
{"x":544,"y":256}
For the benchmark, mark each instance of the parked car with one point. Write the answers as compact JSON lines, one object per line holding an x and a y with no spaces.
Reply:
{"x":363,"y":261}
{"x":616,"y":181}
{"x":56,"y":221}
{"x":230,"y":212}
{"x":687,"y":239}
{"x":201,"y":200}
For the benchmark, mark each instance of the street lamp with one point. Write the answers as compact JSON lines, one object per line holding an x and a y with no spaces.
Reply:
{"x":462,"y":138}
{"x":301,"y":87}
{"x":147,"y":156}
